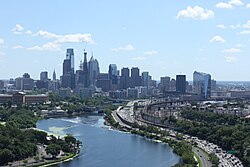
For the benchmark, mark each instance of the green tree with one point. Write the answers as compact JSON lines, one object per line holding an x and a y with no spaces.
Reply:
{"x":53,"y":149}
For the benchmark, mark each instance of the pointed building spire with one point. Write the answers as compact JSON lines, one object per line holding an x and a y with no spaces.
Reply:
{"x":54,"y":75}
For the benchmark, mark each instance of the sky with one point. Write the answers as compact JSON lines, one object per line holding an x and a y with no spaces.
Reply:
{"x":162,"y":37}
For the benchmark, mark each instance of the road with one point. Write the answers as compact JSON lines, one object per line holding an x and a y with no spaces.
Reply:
{"x":203,"y":157}
{"x":117,"y":119}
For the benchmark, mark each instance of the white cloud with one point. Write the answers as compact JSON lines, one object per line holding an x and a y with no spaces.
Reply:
{"x":17,"y":29}
{"x":232,"y":50}
{"x":218,"y":39}
{"x":245,"y":32}
{"x":18,"y":47}
{"x":230,"y":59}
{"x":222,"y":26}
{"x":139,"y":58}
{"x":128,"y":47}
{"x":152,"y":52}
{"x":1,"y":41}
{"x":248,"y":5}
{"x":197,"y":13}
{"x":28,"y":32}
{"x":73,"y":38}
{"x":224,"y":5}
{"x":50,"y":46}
{"x":247,"y":25}
{"x":239,"y":45}
{"x":236,"y":2}
{"x":229,"y":5}
{"x":68,"y":38}
{"x":46,"y":34}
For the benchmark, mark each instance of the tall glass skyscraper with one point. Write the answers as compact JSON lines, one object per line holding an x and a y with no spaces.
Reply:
{"x":113,"y":75}
{"x":202,"y":84}
{"x":70,"y":56}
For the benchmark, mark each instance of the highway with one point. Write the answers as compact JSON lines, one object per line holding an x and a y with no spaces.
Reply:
{"x":202,"y":156}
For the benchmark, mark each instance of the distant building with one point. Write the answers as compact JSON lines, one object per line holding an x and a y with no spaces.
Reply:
{"x":132,"y":93}
{"x":94,"y":70}
{"x":164,"y":84}
{"x":44,"y":76}
{"x":213,"y":85}
{"x":118,"y":94}
{"x":21,"y":98}
{"x":68,"y":77}
{"x":24,"y":83}
{"x":145,"y":79}
{"x":54,"y":75}
{"x":83,"y":92}
{"x":1,"y":84}
{"x":113,"y":75}
{"x":135,"y":77}
{"x":172,"y":85}
{"x":124,"y":79}
{"x":104,"y":84}
{"x":181,"y":83}
{"x":202,"y":84}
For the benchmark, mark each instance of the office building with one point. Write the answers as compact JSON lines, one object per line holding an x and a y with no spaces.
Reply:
{"x":68,"y":77}
{"x":135,"y":77}
{"x":145,"y":79}
{"x":202,"y":84}
{"x":44,"y":76}
{"x":181,"y":84}
{"x":113,"y":75}
{"x":86,"y":79}
{"x":164,"y":84}
{"x":94,"y":70}
{"x":124,"y":79}
{"x":54,"y":76}
{"x":70,"y":57}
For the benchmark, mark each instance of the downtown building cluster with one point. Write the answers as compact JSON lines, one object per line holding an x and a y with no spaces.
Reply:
{"x":87,"y":81}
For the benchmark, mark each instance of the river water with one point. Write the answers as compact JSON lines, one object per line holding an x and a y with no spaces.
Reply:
{"x":102,"y":147}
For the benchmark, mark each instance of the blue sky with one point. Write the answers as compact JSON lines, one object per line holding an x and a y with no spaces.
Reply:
{"x":163,"y":37}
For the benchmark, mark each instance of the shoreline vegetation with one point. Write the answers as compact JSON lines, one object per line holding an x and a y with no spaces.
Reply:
{"x":23,"y":145}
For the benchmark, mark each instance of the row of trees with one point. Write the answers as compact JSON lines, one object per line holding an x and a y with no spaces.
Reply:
{"x":229,"y":132}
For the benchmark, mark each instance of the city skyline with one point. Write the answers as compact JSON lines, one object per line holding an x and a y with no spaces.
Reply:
{"x":154,"y":36}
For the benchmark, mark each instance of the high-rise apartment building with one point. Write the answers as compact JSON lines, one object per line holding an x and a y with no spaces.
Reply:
{"x":202,"y":84}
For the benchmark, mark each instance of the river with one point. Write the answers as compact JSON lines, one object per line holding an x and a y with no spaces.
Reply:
{"x":102,"y":147}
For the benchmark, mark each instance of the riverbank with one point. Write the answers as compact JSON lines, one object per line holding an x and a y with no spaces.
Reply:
{"x":181,"y":148}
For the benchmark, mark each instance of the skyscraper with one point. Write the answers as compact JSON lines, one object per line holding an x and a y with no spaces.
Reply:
{"x":94,"y":70}
{"x":68,"y":77}
{"x":165,"y":84}
{"x":181,"y":83}
{"x":145,"y":79}
{"x":86,"y":81}
{"x":44,"y":76}
{"x":135,"y":77}
{"x":70,"y":56}
{"x":202,"y":84}
{"x":54,"y":75}
{"x":124,"y":79}
{"x":113,"y":76}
